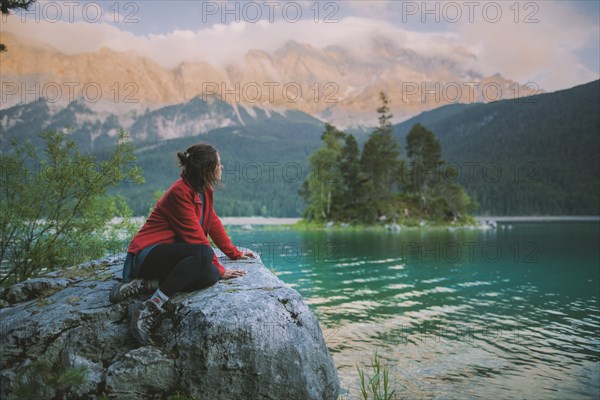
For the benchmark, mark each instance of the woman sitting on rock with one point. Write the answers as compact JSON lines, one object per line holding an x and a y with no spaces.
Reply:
{"x":172,"y":247}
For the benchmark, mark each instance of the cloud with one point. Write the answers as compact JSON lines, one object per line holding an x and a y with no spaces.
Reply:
{"x":222,"y":44}
{"x":546,"y":52}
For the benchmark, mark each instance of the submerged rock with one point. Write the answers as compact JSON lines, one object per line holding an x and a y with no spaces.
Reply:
{"x":393,"y":227}
{"x":249,"y":337}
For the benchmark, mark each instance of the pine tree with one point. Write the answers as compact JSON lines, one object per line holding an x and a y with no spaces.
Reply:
{"x":350,"y":173}
{"x":380,"y":157}
{"x":425,"y":155}
{"x":441,"y":197}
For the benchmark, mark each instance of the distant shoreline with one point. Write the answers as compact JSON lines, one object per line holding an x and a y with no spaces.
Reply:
{"x":258,"y":221}
{"x":291,"y":221}
{"x":542,"y":218}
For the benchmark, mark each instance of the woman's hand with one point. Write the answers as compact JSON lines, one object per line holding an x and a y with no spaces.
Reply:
{"x":246,"y":254}
{"x":233,"y":273}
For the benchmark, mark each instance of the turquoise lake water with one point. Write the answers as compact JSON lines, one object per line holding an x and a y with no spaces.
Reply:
{"x":511,"y":313}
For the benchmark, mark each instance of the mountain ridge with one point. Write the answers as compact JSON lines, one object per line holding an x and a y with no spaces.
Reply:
{"x":532,"y":156}
{"x":333,"y":83}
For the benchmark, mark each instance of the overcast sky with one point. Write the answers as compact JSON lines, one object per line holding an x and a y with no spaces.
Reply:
{"x":552,"y":43}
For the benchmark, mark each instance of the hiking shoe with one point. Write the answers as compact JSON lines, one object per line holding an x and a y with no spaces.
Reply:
{"x":144,"y":319}
{"x":122,"y":291}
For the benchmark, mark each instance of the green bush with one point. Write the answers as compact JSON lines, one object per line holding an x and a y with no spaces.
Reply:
{"x":54,"y":210}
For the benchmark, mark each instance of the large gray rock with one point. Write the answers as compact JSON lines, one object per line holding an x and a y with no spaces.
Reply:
{"x":247,"y":338}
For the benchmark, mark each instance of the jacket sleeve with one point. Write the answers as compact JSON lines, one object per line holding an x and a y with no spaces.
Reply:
{"x":219,"y":236}
{"x":179,"y":210}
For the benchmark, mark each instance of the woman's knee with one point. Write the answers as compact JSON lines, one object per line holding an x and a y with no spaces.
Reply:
{"x":208,"y":278}
{"x":211,"y":276}
{"x":205,"y":254}
{"x":214,"y":274}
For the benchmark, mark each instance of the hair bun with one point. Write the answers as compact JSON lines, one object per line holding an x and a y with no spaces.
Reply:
{"x":183,"y":156}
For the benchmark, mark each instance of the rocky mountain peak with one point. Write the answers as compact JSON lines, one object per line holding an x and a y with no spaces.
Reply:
{"x":335,"y":83}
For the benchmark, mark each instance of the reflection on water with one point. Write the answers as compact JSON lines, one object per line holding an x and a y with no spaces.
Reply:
{"x":477,"y":314}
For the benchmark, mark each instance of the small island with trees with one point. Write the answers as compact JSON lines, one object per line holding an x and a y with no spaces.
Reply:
{"x":376,"y":186}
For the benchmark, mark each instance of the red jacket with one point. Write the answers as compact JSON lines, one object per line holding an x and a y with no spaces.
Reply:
{"x":176,"y":218}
